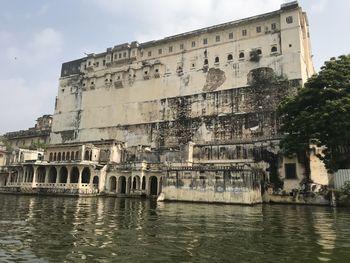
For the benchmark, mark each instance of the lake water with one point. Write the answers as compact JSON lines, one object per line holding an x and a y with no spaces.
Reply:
{"x":64,"y":229}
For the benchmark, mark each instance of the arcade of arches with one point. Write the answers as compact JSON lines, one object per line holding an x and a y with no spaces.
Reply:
{"x":134,"y":185}
{"x":52,"y":176}
{"x":83,"y":177}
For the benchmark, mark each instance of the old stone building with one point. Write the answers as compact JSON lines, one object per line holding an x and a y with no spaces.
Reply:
{"x":192,"y":115}
{"x":39,"y":134}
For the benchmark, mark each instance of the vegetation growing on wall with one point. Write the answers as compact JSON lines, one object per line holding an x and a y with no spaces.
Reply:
{"x":255,"y":55}
{"x":320,"y":114}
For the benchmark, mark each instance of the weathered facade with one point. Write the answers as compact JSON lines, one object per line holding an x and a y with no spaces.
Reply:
{"x":39,"y":134}
{"x":192,"y":115}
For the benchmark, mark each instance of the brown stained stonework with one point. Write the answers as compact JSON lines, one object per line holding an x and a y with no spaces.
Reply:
{"x":215,"y":78}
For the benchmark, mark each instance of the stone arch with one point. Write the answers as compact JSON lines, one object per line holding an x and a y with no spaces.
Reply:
{"x":143,"y":184}
{"x":112,"y":184}
{"x":41,"y":173}
{"x":153,"y":185}
{"x":20,"y":175}
{"x":136,"y":183}
{"x":52,"y":175}
{"x":95,"y":181}
{"x":63,"y":176}
{"x":13,"y":176}
{"x":128,"y":185}
{"x":29,"y":174}
{"x":85,"y":177}
{"x":122,"y":184}
{"x":74,"y":175}
{"x":87,"y":155}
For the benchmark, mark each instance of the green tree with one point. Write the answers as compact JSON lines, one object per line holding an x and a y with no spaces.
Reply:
{"x":320,"y":114}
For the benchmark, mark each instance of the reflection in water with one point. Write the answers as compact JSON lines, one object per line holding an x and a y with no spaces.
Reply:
{"x":57,"y":229}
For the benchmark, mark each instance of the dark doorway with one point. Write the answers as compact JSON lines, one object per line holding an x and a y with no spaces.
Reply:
{"x":85,"y":176}
{"x":74,"y":177}
{"x":122,"y":184}
{"x":154,"y":185}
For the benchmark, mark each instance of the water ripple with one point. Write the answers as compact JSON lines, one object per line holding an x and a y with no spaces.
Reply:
{"x":54,"y":229}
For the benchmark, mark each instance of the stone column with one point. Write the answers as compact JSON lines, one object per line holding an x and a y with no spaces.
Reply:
{"x":80,"y":176}
{"x":148,"y":190}
{"x":159,"y":187}
{"x":58,"y":174}
{"x":68,"y":175}
{"x":8,"y":178}
{"x":46,"y":175}
{"x":24,"y":174}
{"x":35,"y":176}
{"x":128,"y":186}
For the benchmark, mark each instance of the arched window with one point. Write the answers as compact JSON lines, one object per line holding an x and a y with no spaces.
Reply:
{"x":59,"y":156}
{"x":217,"y":60}
{"x":50,"y":157}
{"x":87,"y":155}
{"x":273,"y":49}
{"x":63,"y":156}
{"x":241,"y":55}
{"x":54,"y":156}
{"x":67,"y":156}
{"x":77,"y":155}
{"x":258,"y":51}
{"x":206,"y":62}
{"x":72,"y":155}
{"x":229,"y":57}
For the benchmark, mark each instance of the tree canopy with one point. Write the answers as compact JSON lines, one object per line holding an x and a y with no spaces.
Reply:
{"x":320,"y":114}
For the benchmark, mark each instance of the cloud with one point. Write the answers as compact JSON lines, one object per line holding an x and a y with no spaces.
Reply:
{"x":43,"y":45}
{"x":319,"y":6}
{"x":159,"y":18}
{"x":43,"y":10}
{"x":23,"y":100}
{"x":46,"y":39}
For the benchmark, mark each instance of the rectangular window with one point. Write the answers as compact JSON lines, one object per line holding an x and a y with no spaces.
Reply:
{"x":205,"y":41}
{"x":217,"y":39}
{"x":104,"y":62}
{"x":244,"y":32}
{"x":290,"y":170}
{"x":97,"y":64}
{"x":258,"y":29}
{"x":149,"y":53}
{"x":170,"y":49}
{"x":124,"y":54}
{"x":193,"y":44}
{"x":160,"y":51}
{"x":289,"y":19}
{"x":230,"y":35}
{"x":273,"y":26}
{"x":181,"y":46}
{"x":120,"y":55}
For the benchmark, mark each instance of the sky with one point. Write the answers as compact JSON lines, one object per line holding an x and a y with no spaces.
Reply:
{"x":37,"y":36}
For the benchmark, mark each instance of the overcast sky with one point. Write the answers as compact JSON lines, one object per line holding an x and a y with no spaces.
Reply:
{"x":37,"y":36}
